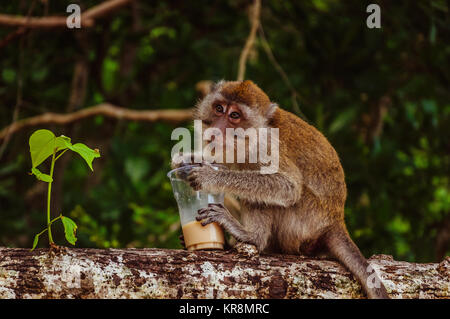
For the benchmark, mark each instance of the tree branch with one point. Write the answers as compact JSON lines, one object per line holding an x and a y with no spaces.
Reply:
{"x":170,"y":273}
{"x":254,"y":18}
{"x":34,"y":23}
{"x":287,"y":82}
{"x":105,"y":109}
{"x":104,"y":9}
{"x":87,"y":18}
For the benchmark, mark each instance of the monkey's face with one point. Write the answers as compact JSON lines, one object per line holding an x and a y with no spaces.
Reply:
{"x":224,"y":117}
{"x":234,"y":107}
{"x":226,"y":114}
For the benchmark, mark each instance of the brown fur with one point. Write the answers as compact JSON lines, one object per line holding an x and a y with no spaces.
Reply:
{"x":246,"y":93}
{"x":299,"y":209}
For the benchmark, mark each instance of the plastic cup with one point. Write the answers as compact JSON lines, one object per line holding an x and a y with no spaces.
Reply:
{"x":196,"y":236}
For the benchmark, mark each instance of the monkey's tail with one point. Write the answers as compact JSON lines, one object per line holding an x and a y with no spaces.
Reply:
{"x":344,"y":249}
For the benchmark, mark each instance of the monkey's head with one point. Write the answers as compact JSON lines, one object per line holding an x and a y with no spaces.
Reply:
{"x":235,"y":104}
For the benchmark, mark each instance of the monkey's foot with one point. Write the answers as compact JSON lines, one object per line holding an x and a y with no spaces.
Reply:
{"x":247,"y":250}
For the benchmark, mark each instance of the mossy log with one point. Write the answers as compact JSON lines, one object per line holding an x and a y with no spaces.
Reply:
{"x":169,"y":273}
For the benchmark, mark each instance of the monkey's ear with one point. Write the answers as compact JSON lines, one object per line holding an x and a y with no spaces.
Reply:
{"x":271,"y":110}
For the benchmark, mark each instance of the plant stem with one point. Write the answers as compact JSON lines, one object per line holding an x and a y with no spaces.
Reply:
{"x":55,"y":219}
{"x":42,"y":232}
{"x":60,"y":154}
{"x":50,"y":238}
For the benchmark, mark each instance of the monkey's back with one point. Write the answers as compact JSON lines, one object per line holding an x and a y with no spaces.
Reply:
{"x":318,"y":162}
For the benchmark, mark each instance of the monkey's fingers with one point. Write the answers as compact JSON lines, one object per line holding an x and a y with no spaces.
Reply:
{"x":193,"y":180}
{"x":195,"y":186}
{"x":217,"y":205}
{"x":205,"y":221}
{"x":180,"y":160}
{"x":203,"y":211}
{"x":209,"y":215}
{"x":210,"y":211}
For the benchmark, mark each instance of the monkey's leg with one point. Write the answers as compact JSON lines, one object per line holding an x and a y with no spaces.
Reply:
{"x":220,"y":214}
{"x":344,"y":249}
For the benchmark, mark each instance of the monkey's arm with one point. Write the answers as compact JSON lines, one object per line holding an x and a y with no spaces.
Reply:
{"x":271,"y":189}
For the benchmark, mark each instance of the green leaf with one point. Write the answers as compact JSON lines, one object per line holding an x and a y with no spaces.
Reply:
{"x":35,"y":242}
{"x":85,"y":152}
{"x":41,"y":146}
{"x":70,"y":229}
{"x":36,"y":239}
{"x":41,"y":176}
{"x":62,"y":142}
{"x":43,"y":143}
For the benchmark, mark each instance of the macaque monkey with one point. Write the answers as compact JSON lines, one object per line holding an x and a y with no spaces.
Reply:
{"x":297,"y":210}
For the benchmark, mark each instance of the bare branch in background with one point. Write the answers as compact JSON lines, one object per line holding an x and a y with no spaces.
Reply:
{"x":87,"y":18}
{"x":204,"y":87}
{"x":257,"y":26}
{"x":104,"y":9}
{"x":373,"y":121}
{"x":254,"y":18}
{"x":287,"y":82}
{"x":105,"y":109}
{"x":76,"y":100}
{"x":12,"y":35}
{"x":32,"y":23}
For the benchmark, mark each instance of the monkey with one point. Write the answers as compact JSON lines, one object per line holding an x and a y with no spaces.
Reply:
{"x":297,"y":210}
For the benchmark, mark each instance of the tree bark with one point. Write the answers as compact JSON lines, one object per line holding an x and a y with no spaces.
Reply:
{"x":169,"y":273}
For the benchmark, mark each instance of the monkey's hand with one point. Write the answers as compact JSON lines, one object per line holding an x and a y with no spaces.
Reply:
{"x":179,"y":160}
{"x":202,"y":178}
{"x":184,"y":159}
{"x":214,"y":213}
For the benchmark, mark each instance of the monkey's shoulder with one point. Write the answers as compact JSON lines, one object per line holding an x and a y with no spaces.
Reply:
{"x":303,"y":141}
{"x":293,"y":127}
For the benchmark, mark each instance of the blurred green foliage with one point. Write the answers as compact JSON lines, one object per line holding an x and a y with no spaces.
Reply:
{"x":381,"y":96}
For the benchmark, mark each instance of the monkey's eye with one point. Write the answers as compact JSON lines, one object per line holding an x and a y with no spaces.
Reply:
{"x":219,"y":108}
{"x":235,"y":115}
